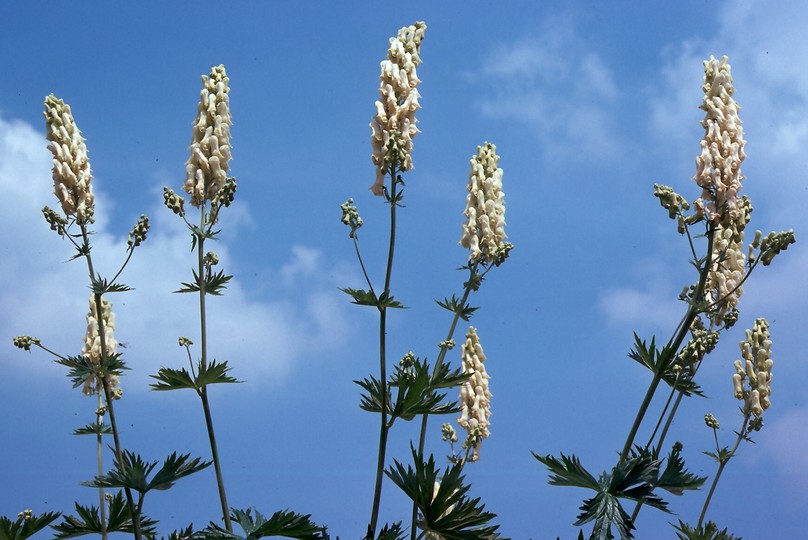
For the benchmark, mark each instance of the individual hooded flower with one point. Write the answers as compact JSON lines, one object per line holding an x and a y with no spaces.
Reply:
{"x":755,"y":370}
{"x":718,"y":166}
{"x":393,"y":126}
{"x":484,"y":230}
{"x":92,"y":341}
{"x":206,"y":170}
{"x":475,"y":406}
{"x":71,"y":165}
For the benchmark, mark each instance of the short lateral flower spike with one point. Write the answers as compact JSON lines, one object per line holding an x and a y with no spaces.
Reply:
{"x":484,"y":230}
{"x":92,"y":341}
{"x":207,"y":167}
{"x":71,"y":165}
{"x":718,"y":166}
{"x":475,"y":398}
{"x":755,"y":369}
{"x":393,"y":126}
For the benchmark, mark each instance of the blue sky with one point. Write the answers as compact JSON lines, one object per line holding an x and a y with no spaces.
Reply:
{"x":589,"y":104}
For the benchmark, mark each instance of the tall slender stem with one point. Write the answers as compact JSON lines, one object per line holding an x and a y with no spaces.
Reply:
{"x":203,"y":392}
{"x":384,"y":428}
{"x":673,"y":345}
{"x":723,"y":463}
{"x":107,"y":389}
{"x":438,"y":364}
{"x":99,"y":445}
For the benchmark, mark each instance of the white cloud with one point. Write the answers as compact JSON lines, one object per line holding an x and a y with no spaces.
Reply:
{"x":556,"y":85}
{"x":47,"y":296}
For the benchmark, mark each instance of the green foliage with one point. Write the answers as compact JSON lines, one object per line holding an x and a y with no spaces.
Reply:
{"x":102,"y":286}
{"x":88,"y":520}
{"x":663,"y":363}
{"x":368,"y":298}
{"x":208,"y":373}
{"x":94,"y":428}
{"x":634,"y":478}
{"x":391,"y":532}
{"x":81,"y":368}
{"x":449,"y":512}
{"x":178,"y":534}
{"x":132,"y":472}
{"x":709,"y":531}
{"x":453,"y":304}
{"x":283,"y":523}
{"x":370,"y":400}
{"x":25,"y":526}
{"x":417,"y":390}
{"x":214,"y":283}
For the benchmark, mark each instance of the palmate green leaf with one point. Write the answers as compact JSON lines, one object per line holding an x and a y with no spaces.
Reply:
{"x":449,"y":512}
{"x":453,"y":304}
{"x":214,"y":284}
{"x":658,"y":361}
{"x":25,"y":528}
{"x":172,"y":379}
{"x":417,"y":390}
{"x":568,"y":471}
{"x":100,"y":285}
{"x":179,"y":534}
{"x":133,"y":472}
{"x":708,"y":531}
{"x":176,"y":467}
{"x":371,"y":400}
{"x":684,"y":383}
{"x":177,"y":379}
{"x":634,"y":479}
{"x":93,"y":428}
{"x":368,"y":298}
{"x":88,"y":520}
{"x":395,"y":531}
{"x":190,"y":287}
{"x":675,"y":478}
{"x":283,"y":523}
{"x":80,"y":368}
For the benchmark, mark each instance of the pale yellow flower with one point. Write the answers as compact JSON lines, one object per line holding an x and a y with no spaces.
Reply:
{"x":71,"y":165}
{"x":207,"y":167}
{"x":755,"y":370}
{"x":718,"y":166}
{"x":475,"y":398}
{"x":484,"y":229}
{"x":393,"y":126}
{"x":92,"y":341}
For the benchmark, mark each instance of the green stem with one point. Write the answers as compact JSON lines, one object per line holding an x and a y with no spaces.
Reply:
{"x":384,"y":428}
{"x":203,"y":392}
{"x":723,"y":463}
{"x":99,"y":420}
{"x":673,"y":345}
{"x":438,"y":364}
{"x":108,"y":391}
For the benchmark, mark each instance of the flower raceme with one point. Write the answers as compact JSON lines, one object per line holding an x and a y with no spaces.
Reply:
{"x":207,"y":167}
{"x":756,"y":369}
{"x":475,"y":398}
{"x":92,"y":340}
{"x":484,"y":231}
{"x":71,"y":165}
{"x":718,"y":166}
{"x":393,"y":126}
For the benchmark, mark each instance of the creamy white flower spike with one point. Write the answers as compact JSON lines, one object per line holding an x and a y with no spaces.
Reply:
{"x":728,"y":263}
{"x":484,"y":231}
{"x":71,"y":165}
{"x":475,"y":398}
{"x":755,"y":370}
{"x":393,"y":126}
{"x":718,"y":166}
{"x":206,"y":170}
{"x":92,"y":340}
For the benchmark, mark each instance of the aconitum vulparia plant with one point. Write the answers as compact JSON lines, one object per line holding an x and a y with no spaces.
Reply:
{"x":430,"y":379}
{"x":711,"y":308}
